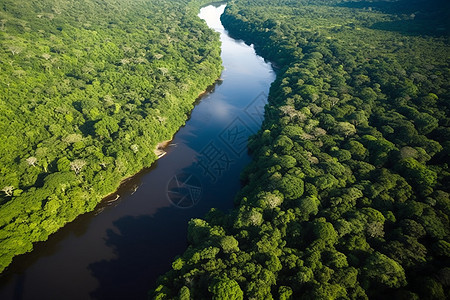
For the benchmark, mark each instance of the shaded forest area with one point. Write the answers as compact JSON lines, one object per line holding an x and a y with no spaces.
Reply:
{"x":348,"y":193}
{"x":87,"y":90}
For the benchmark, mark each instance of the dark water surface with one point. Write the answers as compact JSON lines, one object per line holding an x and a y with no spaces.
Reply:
{"x":118,"y":251}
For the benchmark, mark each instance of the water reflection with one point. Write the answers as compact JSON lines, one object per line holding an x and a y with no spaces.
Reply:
{"x":144,"y":248}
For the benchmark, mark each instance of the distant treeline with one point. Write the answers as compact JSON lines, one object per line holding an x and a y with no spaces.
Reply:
{"x":348,"y":193}
{"x":87,"y":90}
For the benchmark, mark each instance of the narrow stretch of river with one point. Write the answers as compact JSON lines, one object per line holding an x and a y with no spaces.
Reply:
{"x":118,"y":251}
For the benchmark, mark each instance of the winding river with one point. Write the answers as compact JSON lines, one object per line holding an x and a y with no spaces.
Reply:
{"x":119,"y":250}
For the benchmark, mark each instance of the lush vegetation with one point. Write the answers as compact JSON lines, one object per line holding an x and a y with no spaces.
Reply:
{"x":87,"y":90}
{"x":348,"y":193}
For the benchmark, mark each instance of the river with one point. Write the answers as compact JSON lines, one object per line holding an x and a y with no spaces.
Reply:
{"x":119,"y":250}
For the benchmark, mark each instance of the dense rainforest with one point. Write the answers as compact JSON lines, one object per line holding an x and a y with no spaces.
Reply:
{"x":347,"y":196}
{"x":87,"y":90}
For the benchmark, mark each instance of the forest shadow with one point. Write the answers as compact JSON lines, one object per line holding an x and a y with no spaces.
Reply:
{"x":397,"y":7}
{"x":142,"y":253}
{"x":419,"y":17}
{"x":415,"y":27}
{"x":42,"y":249}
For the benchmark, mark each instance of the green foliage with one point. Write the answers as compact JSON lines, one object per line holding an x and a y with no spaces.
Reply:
{"x":417,"y":173}
{"x":381,"y":270}
{"x":291,"y":186}
{"x":285,"y":293}
{"x":185,"y":294}
{"x":324,"y":231}
{"x":229,"y":244}
{"x":226,"y":289}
